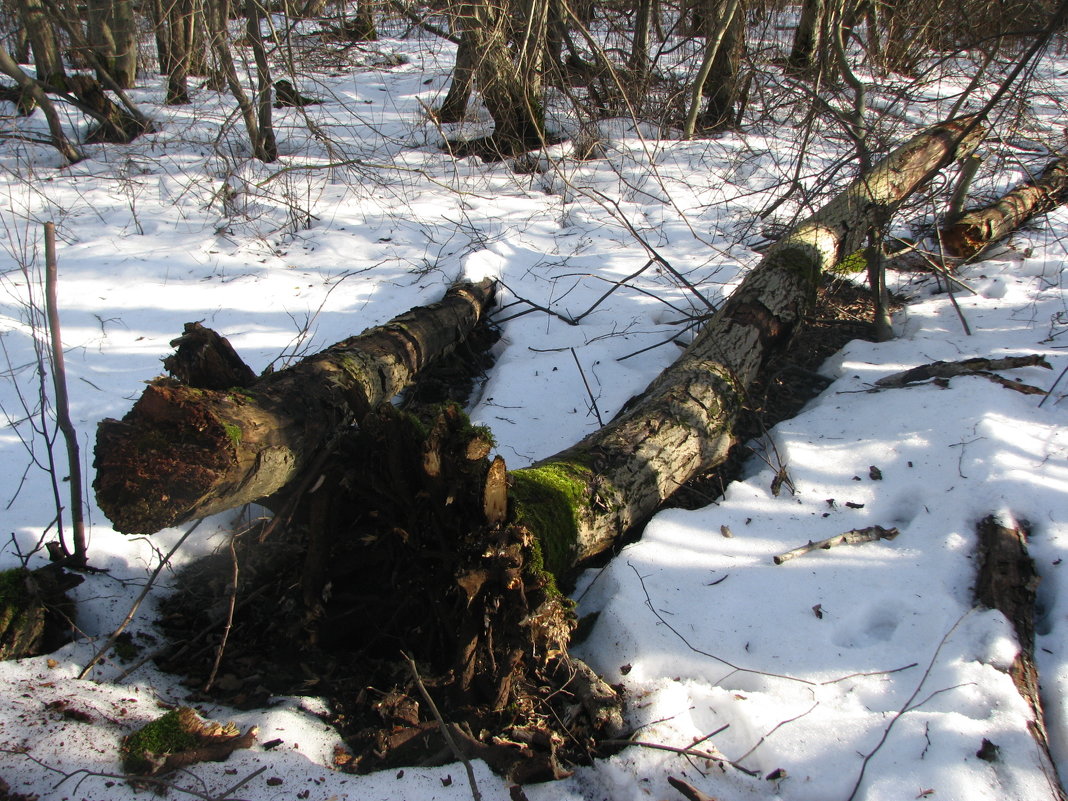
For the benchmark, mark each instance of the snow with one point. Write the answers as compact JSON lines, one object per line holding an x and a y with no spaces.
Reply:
{"x":858,"y":672}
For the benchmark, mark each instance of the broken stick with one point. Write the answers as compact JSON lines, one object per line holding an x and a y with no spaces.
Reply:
{"x":856,"y":536}
{"x":976,"y":365}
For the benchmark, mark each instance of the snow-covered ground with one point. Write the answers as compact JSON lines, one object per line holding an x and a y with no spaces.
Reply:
{"x":860,"y":672}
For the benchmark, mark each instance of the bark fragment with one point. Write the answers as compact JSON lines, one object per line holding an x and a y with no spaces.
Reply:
{"x":1007,"y":582}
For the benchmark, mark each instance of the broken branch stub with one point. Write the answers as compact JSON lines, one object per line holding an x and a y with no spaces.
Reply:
{"x":580,"y":501}
{"x":184,"y":452}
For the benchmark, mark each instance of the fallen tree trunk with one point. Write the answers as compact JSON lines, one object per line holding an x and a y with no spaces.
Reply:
{"x":980,"y":228}
{"x":1007,"y":582}
{"x":184,"y":452}
{"x":580,"y":501}
{"x":407,"y":539}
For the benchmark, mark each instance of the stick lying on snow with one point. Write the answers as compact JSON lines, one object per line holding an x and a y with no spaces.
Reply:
{"x":856,"y":536}
{"x":974,"y":366}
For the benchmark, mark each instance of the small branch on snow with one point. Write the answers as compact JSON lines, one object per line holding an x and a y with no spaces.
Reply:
{"x":856,"y":536}
{"x":976,"y":366}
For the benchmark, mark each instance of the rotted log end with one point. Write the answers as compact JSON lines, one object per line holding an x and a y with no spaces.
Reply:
{"x":963,"y":241}
{"x":156,"y":465}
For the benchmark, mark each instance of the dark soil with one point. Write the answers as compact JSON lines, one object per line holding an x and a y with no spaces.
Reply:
{"x":391,"y":553}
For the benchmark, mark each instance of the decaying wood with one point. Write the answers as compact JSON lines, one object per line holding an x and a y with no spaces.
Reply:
{"x":980,"y":228}
{"x":36,"y":616}
{"x":184,"y":452}
{"x":856,"y":536}
{"x":974,"y":366}
{"x":581,"y":500}
{"x":1007,"y":582}
{"x":205,"y":360}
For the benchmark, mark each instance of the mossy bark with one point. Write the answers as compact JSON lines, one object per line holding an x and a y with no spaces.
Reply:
{"x":592,"y":493}
{"x":183,"y":452}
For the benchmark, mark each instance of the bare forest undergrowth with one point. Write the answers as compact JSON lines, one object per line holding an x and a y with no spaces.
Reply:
{"x":334,"y":600}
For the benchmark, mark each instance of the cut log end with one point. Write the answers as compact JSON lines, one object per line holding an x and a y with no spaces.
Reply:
{"x":154,"y":468}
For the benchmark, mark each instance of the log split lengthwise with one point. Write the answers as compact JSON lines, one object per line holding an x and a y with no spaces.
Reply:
{"x":184,"y":452}
{"x":581,"y":500}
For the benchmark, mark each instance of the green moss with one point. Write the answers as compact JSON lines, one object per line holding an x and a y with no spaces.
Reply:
{"x":168,"y":734}
{"x":233,"y":433}
{"x":546,"y":500}
{"x":853,"y":263}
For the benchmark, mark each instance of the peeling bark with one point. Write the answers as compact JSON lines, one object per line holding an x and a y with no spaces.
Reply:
{"x":980,"y":228}
{"x":184,"y":452}
{"x":582,"y":500}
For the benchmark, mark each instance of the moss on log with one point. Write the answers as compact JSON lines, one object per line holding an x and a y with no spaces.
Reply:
{"x":682,"y":424}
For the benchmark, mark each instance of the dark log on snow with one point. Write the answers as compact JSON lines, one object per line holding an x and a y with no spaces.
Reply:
{"x":580,"y":501}
{"x":1007,"y":582}
{"x":184,"y":452}
{"x":980,"y":228}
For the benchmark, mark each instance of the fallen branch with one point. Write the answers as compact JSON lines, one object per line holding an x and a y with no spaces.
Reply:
{"x":975,"y":366}
{"x":856,"y":536}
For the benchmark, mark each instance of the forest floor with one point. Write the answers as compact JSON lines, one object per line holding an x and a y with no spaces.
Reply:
{"x":859,"y":672}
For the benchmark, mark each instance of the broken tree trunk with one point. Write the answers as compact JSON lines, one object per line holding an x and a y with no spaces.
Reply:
{"x":580,"y":501}
{"x":184,"y":452}
{"x":980,"y":228}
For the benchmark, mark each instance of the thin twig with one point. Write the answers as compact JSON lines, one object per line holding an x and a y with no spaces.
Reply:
{"x":694,"y":752}
{"x":445,"y":732}
{"x":906,"y":707}
{"x":229,"y":614}
{"x":593,"y":400}
{"x":137,"y":604}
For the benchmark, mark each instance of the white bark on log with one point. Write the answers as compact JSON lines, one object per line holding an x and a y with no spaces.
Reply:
{"x":580,"y":501}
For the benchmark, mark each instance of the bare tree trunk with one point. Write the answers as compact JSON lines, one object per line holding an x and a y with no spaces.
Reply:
{"x":217,"y":12}
{"x":268,"y":145}
{"x":723,"y":85}
{"x":509,"y":44}
{"x":639,"y":54}
{"x":43,"y":43}
{"x":582,"y":500}
{"x":185,"y":452}
{"x":124,"y":30}
{"x":808,"y":35}
{"x":454,"y":106}
{"x":112,"y":34}
{"x":980,"y":228}
{"x":32,"y":88}
{"x":712,"y":46}
{"x":179,"y":47}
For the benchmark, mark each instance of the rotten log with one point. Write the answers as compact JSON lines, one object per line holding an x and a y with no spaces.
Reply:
{"x":184,"y":452}
{"x":980,"y":228}
{"x":582,"y":500}
{"x":1007,"y":582}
